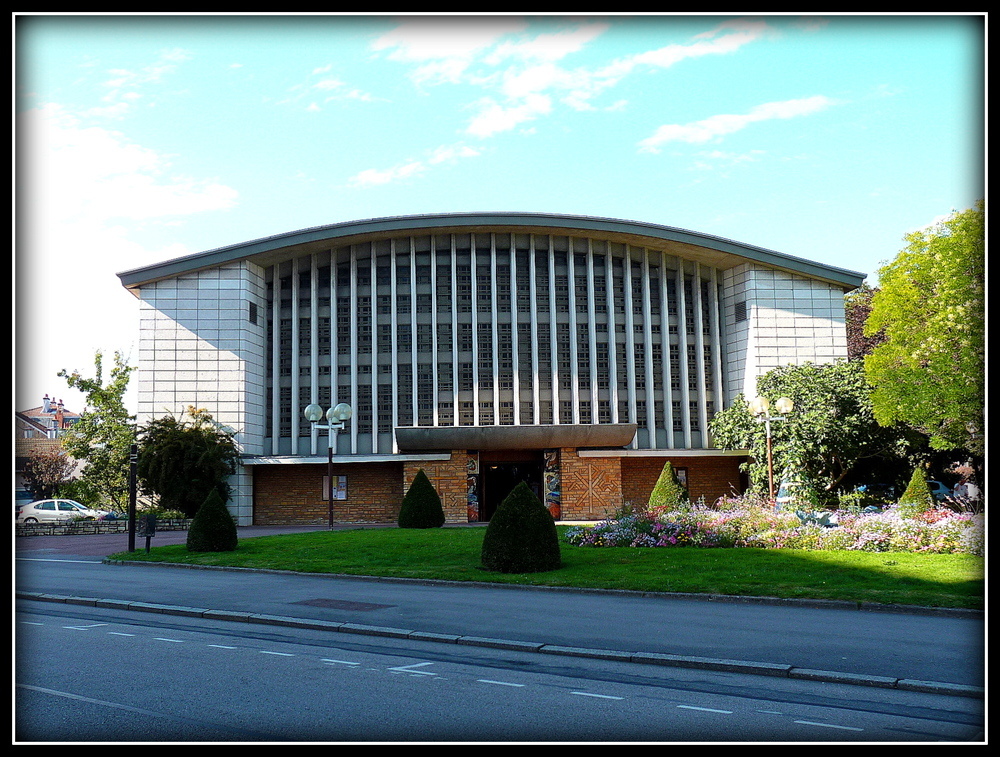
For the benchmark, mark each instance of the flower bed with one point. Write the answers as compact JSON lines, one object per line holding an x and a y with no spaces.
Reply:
{"x":937,"y":531}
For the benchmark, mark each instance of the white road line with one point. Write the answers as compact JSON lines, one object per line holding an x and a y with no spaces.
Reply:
{"x":84,"y":628}
{"x":704,"y":709}
{"x":222,"y":646}
{"x":499,"y":683}
{"x":410,"y":669}
{"x":119,"y":633}
{"x":828,"y":725}
{"x":339,"y":662}
{"x":596,"y":696}
{"x":279,"y":654}
{"x":172,"y":641}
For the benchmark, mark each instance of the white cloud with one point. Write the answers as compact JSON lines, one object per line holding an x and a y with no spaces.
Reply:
{"x":445,"y":154}
{"x":548,"y":47}
{"x":94,"y":174}
{"x":328,"y":88}
{"x":523,"y":75}
{"x":728,"y":123}
{"x":442,"y":48}
{"x":124,"y":87}
{"x":376,"y":176}
{"x":81,"y":192}
{"x":494,"y":117}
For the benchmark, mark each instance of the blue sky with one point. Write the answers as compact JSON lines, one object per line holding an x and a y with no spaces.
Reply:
{"x":143,"y":138}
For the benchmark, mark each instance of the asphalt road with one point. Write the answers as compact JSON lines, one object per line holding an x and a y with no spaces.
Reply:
{"x":87,"y":674}
{"x":943,"y":651}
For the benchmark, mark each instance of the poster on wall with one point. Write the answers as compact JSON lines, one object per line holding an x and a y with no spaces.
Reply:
{"x":339,"y":488}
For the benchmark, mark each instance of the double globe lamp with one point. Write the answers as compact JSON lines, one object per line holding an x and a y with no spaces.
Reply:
{"x":336,"y":417}
{"x":761,"y":409}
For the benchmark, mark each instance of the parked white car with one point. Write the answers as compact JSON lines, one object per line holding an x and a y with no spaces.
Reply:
{"x":56,"y":510}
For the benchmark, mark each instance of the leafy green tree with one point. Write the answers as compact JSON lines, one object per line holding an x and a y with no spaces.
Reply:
{"x":830,"y":432}
{"x":182,"y":461}
{"x":213,"y":528}
{"x":521,"y":536}
{"x":101,"y":438}
{"x":46,"y":471}
{"x":421,"y":506}
{"x":667,"y":494}
{"x":929,"y":373}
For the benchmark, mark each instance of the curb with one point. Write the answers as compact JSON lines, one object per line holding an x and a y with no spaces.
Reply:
{"x":644,"y":658}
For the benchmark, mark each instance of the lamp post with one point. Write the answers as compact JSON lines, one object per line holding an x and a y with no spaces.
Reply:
{"x":336,"y":417}
{"x":761,"y":409}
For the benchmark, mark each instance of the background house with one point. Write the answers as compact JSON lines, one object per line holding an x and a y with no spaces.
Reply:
{"x":36,"y":429}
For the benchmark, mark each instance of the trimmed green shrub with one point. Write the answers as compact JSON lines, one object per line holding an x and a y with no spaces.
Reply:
{"x":521,"y":536}
{"x":668,"y":493}
{"x":917,"y":498}
{"x":421,"y":506}
{"x":213,"y":528}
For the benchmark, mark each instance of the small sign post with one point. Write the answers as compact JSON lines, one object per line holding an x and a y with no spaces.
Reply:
{"x":147,"y":528}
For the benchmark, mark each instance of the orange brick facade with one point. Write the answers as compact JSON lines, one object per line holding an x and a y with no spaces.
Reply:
{"x":448,"y":477}
{"x":293,"y":494}
{"x":588,"y":487}
{"x":707,"y":477}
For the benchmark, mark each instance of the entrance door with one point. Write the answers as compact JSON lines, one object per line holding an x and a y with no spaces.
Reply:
{"x":499,"y":479}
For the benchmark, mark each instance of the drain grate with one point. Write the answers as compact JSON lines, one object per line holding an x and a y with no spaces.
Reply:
{"x":342,"y":604}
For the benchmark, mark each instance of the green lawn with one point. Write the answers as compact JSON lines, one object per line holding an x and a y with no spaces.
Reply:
{"x":453,"y":554}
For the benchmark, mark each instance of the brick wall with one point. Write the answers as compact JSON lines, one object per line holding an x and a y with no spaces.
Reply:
{"x":708,"y":477}
{"x":591,"y":486}
{"x":448,"y":477}
{"x":293,"y":494}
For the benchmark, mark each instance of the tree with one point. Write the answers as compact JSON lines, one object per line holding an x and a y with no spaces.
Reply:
{"x":213,"y":528}
{"x":421,"y":506}
{"x":830,"y":432}
{"x":521,"y":536}
{"x":667,"y":493}
{"x":917,"y":498}
{"x":182,"y":461}
{"x":929,"y":373}
{"x":46,"y":470}
{"x":104,"y":433}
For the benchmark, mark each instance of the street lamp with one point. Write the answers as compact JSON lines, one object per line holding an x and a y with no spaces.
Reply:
{"x":761,"y":409}
{"x":336,"y":417}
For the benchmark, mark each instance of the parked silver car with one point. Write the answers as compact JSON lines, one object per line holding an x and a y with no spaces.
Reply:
{"x":57,"y":510}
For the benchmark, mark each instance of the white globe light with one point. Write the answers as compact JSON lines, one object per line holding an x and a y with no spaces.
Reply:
{"x":341,"y":412}
{"x":784,"y":405}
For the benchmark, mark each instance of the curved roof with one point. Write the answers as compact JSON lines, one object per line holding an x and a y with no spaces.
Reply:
{"x":715,"y":251}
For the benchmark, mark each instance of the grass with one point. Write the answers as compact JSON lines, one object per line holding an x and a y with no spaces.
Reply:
{"x":452,"y":554}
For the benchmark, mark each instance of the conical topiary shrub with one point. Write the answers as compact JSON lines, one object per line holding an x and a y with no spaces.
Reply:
{"x":213,"y":528}
{"x":668,"y":493}
{"x":521,"y":536}
{"x":917,"y":498}
{"x":421,"y":506}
